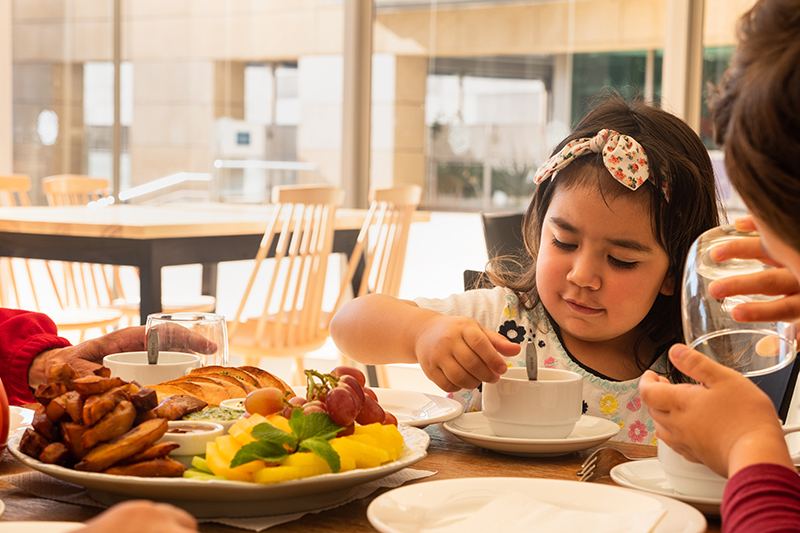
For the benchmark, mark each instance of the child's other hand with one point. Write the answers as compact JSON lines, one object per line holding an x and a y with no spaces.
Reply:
{"x":458,"y":353}
{"x":726,"y":423}
{"x":777,"y":282}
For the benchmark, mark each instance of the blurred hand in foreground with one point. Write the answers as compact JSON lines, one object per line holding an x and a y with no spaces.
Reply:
{"x":142,"y":516}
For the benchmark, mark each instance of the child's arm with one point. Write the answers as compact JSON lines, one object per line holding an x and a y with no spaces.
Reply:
{"x":455,"y":352}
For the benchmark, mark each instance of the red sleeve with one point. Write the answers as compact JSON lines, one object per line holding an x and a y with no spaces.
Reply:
{"x":23,"y":336}
{"x":764,"y":498}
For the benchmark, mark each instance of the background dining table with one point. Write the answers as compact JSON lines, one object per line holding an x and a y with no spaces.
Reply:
{"x":448,"y":456}
{"x":150,"y":237}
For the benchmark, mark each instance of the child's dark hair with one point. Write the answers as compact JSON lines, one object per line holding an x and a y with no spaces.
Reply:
{"x":676,"y":156}
{"x":756,"y":112}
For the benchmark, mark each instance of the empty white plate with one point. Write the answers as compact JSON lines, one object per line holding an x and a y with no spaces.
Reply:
{"x":589,"y":431}
{"x":461,"y":503}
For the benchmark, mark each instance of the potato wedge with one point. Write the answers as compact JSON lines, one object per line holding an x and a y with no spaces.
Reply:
{"x":131,"y":443}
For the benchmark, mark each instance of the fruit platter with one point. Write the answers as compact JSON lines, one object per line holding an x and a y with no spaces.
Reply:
{"x":285,"y":454}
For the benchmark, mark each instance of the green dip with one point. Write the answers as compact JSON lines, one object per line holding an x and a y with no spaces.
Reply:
{"x":215,"y":413}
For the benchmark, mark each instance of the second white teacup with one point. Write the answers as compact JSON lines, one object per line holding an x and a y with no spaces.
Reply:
{"x":688,"y":478}
{"x":547,"y":408}
{"x":133,"y":366}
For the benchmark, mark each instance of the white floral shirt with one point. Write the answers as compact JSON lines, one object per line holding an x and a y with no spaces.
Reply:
{"x":497,"y":309}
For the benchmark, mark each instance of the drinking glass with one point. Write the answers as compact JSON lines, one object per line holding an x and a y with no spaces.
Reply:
{"x":753,"y":348}
{"x":203,"y":334}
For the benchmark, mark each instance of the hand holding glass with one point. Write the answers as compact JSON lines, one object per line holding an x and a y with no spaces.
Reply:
{"x":753,"y":349}
{"x":203,"y":334}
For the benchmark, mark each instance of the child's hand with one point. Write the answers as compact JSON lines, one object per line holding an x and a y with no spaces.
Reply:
{"x":777,"y":282}
{"x":726,"y":423}
{"x":458,"y":353}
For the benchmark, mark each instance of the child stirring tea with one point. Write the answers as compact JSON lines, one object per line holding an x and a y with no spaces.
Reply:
{"x":609,"y":227}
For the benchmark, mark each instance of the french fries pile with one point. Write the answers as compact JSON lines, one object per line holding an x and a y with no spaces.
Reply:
{"x":102,"y":424}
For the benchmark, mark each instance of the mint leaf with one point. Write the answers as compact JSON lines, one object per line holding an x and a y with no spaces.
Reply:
{"x":323,"y":448}
{"x":260,"y":449}
{"x":270,"y":433}
{"x":313,"y":425}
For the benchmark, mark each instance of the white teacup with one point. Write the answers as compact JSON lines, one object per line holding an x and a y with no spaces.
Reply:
{"x":688,"y":478}
{"x":133,"y":366}
{"x":547,"y":408}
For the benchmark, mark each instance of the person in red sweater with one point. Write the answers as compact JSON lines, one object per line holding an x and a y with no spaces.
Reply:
{"x":30,"y":345}
{"x":725,"y":421}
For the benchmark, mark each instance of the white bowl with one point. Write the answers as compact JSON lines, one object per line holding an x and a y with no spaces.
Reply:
{"x":192,"y":436}
{"x":688,"y":478}
{"x":133,"y":366}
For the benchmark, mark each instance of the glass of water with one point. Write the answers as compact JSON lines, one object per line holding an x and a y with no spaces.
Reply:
{"x":203,"y":334}
{"x":752,"y":348}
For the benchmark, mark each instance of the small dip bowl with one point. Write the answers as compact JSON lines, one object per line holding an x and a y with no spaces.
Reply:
{"x":233,"y":403}
{"x":192,"y":436}
{"x":222,"y":415}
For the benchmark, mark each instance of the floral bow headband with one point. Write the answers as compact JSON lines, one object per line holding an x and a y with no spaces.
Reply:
{"x":622,"y":155}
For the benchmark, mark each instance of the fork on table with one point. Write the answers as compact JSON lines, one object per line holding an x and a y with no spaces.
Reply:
{"x":601,"y":461}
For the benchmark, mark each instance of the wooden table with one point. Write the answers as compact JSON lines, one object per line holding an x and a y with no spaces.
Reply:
{"x":151,"y":237}
{"x":447,"y":455}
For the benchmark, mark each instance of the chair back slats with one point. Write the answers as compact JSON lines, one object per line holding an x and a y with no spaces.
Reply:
{"x":74,"y":189}
{"x":14,"y":190}
{"x":382,"y":242}
{"x":50,"y":285}
{"x":301,"y":232}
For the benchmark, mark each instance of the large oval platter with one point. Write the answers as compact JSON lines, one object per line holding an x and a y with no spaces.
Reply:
{"x":218,"y":499}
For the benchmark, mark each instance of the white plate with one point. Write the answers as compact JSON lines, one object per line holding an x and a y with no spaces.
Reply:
{"x":647,"y":475}
{"x":215,"y":498}
{"x":2,"y":507}
{"x":417,"y":409}
{"x":589,"y":431}
{"x":426,"y":506}
{"x":20,"y":419}
{"x":39,"y":527}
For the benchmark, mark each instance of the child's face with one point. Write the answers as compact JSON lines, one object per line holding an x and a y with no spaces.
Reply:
{"x":599,"y":267}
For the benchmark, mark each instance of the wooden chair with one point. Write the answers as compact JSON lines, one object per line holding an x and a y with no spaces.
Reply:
{"x":74,"y":189}
{"x":382,"y":245}
{"x":292,"y":323}
{"x":22,"y":288}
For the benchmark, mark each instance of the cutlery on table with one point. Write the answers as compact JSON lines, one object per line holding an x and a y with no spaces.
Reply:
{"x":601,"y":461}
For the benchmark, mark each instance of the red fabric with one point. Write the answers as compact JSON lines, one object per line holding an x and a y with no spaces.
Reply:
{"x":23,"y":336}
{"x":763,"y":498}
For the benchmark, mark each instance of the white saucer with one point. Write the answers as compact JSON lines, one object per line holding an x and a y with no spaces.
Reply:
{"x":444,"y":505}
{"x":589,"y":431}
{"x":647,"y":475}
